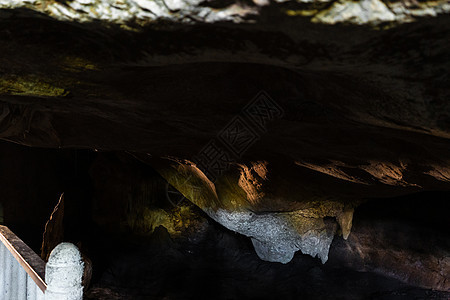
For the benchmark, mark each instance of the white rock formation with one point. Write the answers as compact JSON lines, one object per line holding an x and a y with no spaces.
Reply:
{"x":362,"y":12}
{"x":275,"y":237}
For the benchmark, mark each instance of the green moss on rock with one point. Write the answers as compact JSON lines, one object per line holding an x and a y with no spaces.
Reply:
{"x":30,"y":86}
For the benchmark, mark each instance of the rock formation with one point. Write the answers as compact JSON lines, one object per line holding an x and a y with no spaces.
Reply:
{"x":276,"y":118}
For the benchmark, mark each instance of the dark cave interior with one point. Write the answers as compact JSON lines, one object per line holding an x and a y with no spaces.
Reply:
{"x":330,"y":122}
{"x":202,"y":259}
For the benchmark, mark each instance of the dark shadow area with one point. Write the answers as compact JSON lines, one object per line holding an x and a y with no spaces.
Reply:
{"x":366,"y":118}
{"x":204,"y":260}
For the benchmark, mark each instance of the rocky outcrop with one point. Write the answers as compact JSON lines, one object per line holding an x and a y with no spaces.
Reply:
{"x":348,"y":112}
{"x":54,"y":230}
{"x":276,"y":236}
{"x":373,"y":248}
{"x":408,"y":244}
{"x":143,"y":12}
{"x":304,"y":219}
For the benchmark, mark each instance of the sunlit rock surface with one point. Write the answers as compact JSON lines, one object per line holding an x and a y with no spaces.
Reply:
{"x":377,"y":11}
{"x":141,"y":12}
{"x":135,"y":11}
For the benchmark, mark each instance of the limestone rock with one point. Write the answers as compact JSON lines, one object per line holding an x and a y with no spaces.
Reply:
{"x":361,"y":12}
{"x":362,"y":110}
{"x":144,"y":12}
{"x":276,"y":237}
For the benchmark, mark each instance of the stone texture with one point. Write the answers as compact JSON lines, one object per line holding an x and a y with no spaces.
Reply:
{"x":275,"y":236}
{"x":408,"y":241}
{"x":54,"y":230}
{"x":63,"y":273}
{"x":143,"y":12}
{"x":365,"y":109}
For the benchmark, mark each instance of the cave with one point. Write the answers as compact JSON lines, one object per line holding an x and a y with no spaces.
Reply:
{"x":231,"y":149}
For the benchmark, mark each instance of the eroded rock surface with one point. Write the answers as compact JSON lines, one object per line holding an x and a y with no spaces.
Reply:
{"x":408,"y":241}
{"x":365,"y":108}
{"x":276,"y":237}
{"x":142,"y":12}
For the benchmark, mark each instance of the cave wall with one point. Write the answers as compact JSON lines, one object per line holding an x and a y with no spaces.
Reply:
{"x":133,"y":94}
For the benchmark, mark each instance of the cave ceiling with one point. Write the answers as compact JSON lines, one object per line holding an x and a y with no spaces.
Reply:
{"x":356,"y":99}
